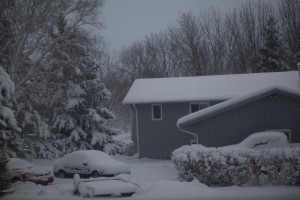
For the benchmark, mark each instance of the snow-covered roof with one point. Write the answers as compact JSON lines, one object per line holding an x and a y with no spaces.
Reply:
{"x":205,"y":88}
{"x":294,"y":90}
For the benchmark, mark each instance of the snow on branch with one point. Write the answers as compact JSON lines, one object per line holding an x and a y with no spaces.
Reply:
{"x":74,"y":103}
{"x":64,"y":122}
{"x":7,"y":88}
{"x":74,"y":90}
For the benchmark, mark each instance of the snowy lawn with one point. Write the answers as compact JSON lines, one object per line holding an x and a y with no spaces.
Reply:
{"x":158,"y":180}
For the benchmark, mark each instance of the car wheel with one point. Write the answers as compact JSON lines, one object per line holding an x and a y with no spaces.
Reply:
{"x":127,"y":194}
{"x":61,"y":174}
{"x":95,"y":174}
{"x":15,"y":179}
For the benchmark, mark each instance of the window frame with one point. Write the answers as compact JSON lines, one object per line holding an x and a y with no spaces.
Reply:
{"x":197,"y":103}
{"x":286,"y":131}
{"x":152,"y":111}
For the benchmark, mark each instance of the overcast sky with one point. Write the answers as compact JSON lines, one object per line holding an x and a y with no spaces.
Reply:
{"x":127,"y":21}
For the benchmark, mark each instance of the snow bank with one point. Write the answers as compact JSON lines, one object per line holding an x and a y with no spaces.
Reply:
{"x":171,"y":190}
{"x":29,"y":190}
{"x":238,"y":166}
{"x":158,"y":181}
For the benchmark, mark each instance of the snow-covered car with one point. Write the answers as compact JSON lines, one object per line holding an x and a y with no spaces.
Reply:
{"x":21,"y":170}
{"x":263,"y":140}
{"x":88,"y":163}
{"x":104,"y":186}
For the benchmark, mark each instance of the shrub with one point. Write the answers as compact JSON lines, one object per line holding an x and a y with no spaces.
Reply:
{"x":229,"y":166}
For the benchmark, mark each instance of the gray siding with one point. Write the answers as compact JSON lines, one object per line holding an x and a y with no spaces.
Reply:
{"x":158,"y":138}
{"x":277,"y":111}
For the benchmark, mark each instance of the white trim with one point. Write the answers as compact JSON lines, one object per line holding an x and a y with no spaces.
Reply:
{"x":152,"y":112}
{"x":286,"y":131}
{"x":198,"y":103}
{"x":137,"y":129}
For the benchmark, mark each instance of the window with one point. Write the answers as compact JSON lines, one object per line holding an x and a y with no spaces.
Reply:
{"x":287,"y":132}
{"x":156,"y":112}
{"x":194,"y":107}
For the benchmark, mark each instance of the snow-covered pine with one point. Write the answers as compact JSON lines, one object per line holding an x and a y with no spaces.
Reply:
{"x":106,"y":114}
{"x":73,"y":103}
{"x":271,"y":55}
{"x":63,"y":123}
{"x":59,"y":86}
{"x":104,"y":142}
{"x":7,"y":119}
{"x":74,"y":96}
{"x":74,"y":90}
{"x":94,"y":118}
{"x":78,"y":134}
{"x":7,"y":88}
{"x":7,"y":122}
{"x":44,"y":130}
{"x":97,"y":87}
{"x":99,"y":138}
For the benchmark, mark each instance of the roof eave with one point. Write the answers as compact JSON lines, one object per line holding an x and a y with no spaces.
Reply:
{"x":174,"y":101}
{"x":235,"y":105}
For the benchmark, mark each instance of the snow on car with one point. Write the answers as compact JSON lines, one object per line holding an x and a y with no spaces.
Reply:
{"x":104,"y":186}
{"x":89,"y":163}
{"x":262,"y":140}
{"x":21,"y":170}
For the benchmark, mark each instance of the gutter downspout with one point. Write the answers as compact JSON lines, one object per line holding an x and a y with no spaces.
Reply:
{"x":137,"y":129}
{"x":188,"y":132}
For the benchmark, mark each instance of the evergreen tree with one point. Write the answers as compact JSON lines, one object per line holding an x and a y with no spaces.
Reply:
{"x":7,"y":121}
{"x":271,"y":55}
{"x":61,"y":103}
{"x":78,"y":94}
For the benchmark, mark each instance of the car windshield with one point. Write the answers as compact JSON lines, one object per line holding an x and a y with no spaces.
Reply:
{"x":15,"y":163}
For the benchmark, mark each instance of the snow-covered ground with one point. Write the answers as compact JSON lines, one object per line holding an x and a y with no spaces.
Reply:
{"x":158,"y":180}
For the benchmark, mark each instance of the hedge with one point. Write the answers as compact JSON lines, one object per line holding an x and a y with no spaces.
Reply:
{"x":241,"y":167}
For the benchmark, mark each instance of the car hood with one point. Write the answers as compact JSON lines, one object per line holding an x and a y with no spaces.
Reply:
{"x":34,"y":170}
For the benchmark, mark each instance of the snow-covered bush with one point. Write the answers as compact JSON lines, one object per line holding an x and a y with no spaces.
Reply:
{"x":238,"y":166}
{"x":130,"y":149}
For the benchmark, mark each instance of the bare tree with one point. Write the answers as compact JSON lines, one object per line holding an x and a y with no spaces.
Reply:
{"x":212,"y":30}
{"x":187,"y":38}
{"x":289,"y":11}
{"x":244,"y":29}
{"x":31,"y":26}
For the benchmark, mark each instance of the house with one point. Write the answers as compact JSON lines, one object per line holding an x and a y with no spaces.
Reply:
{"x":211,"y":110}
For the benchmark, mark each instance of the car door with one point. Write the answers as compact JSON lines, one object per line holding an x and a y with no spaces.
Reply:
{"x":72,"y":163}
{"x":77,"y":164}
